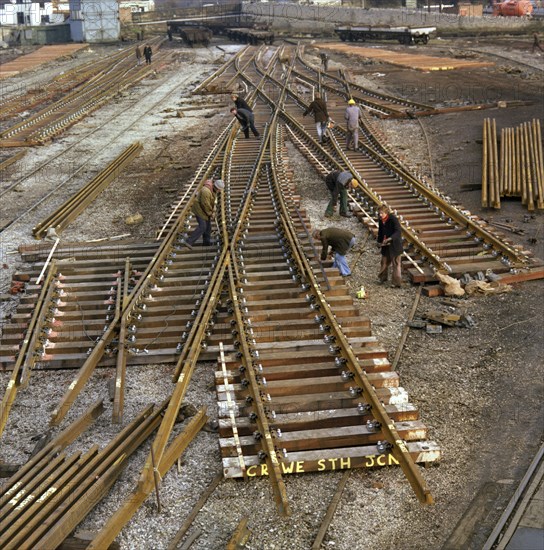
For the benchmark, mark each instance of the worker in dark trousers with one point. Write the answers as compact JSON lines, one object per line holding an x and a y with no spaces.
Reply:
{"x":390,"y":241}
{"x":340,"y":242}
{"x":318,"y":108}
{"x":240,"y":103}
{"x":338,"y":184}
{"x":204,"y":210}
{"x":148,"y":52}
{"x":324,"y":61}
{"x":536,"y":43}
{"x":246,"y":120}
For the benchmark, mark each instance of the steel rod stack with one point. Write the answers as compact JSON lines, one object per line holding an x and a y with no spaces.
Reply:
{"x":49,"y":500}
{"x":520,"y":170}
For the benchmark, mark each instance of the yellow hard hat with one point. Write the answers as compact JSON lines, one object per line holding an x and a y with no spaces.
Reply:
{"x":354,"y":182}
{"x":351,"y":102}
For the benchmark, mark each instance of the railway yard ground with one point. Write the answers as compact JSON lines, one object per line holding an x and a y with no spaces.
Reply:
{"x":478,"y":389}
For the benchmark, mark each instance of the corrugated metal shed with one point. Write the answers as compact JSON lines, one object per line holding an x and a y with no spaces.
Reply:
{"x":94,"y":20}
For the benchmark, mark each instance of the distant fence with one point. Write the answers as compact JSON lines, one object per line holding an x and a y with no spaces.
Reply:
{"x":302,"y":18}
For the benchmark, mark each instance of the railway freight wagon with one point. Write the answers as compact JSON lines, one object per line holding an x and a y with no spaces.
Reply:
{"x":191,"y":35}
{"x":251,"y":36}
{"x":405,"y":35}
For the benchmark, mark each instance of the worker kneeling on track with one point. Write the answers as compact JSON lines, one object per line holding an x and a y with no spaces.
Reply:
{"x":204,"y":210}
{"x":340,"y":242}
{"x":338,"y":183}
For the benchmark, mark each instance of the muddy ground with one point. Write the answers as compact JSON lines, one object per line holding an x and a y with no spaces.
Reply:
{"x":478,"y":390}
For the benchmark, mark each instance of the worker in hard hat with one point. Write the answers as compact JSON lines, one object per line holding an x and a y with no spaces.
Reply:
{"x":204,"y":211}
{"x":351,"y":116}
{"x":340,"y":242}
{"x":338,"y":183}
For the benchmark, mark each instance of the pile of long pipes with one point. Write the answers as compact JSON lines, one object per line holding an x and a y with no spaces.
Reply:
{"x":519,"y":171}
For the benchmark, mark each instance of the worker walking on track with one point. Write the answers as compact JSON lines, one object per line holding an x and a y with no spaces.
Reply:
{"x":338,"y":184}
{"x":321,"y":116}
{"x":351,"y":116}
{"x":340,"y":241}
{"x":138,"y":53}
{"x":246,"y":120}
{"x":204,"y":210}
{"x":390,"y":241}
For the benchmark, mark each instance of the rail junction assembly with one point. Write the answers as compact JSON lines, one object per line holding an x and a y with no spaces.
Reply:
{"x":302,"y":384}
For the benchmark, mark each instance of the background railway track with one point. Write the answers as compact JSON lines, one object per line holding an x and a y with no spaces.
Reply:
{"x":276,"y":279}
{"x":42,"y":190}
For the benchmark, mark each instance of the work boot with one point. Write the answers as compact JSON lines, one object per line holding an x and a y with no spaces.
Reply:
{"x":346,"y":215}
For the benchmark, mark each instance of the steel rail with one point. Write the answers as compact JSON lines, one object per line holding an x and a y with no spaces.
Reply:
{"x":203,"y":168}
{"x":240,"y":537}
{"x":196,"y":508}
{"x":517,"y":504}
{"x":68,"y":80}
{"x":368,"y":220}
{"x":183,"y":370}
{"x":408,"y":233}
{"x":434,"y":196}
{"x":390,"y":163}
{"x":121,"y":363}
{"x":77,"y":171}
{"x":275,"y":475}
{"x":25,"y":356}
{"x":72,"y":208}
{"x":219,"y":71}
{"x":340,"y":162}
{"x":9,"y":161}
{"x":55,"y":445}
{"x":55,"y":513}
{"x":352,"y":85}
{"x":123,"y":514}
{"x":84,"y":101}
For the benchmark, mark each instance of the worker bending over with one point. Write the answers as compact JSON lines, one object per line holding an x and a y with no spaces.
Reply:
{"x":340,"y":242}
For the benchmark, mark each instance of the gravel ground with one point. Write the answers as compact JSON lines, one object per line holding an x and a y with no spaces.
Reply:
{"x":478,"y":390}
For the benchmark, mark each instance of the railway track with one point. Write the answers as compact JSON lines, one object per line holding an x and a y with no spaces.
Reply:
{"x":301,"y":382}
{"x":74,"y":154}
{"x":447,"y":236}
{"x":106,"y":81}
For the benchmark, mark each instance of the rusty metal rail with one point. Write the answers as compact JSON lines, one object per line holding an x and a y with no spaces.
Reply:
{"x":72,"y":208}
{"x":57,"y":493}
